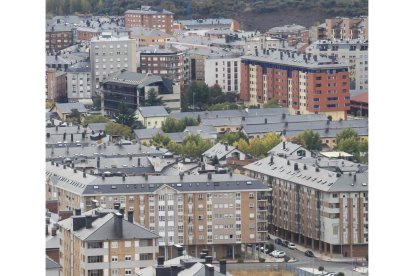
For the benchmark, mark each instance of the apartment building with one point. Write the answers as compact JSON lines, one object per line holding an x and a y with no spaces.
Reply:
{"x":316,"y":207}
{"x":223,"y":70}
{"x":261,"y":42}
{"x":304,"y":84}
{"x":150,"y":17}
{"x":55,"y":85}
{"x":132,"y":89}
{"x":164,"y":60}
{"x":196,"y":211}
{"x":79,"y":83}
{"x":59,"y":37}
{"x":147,"y":36}
{"x":347,"y":28}
{"x":109,"y":53}
{"x":86,"y":33}
{"x":353,"y":52}
{"x":101,"y":242}
{"x":209,"y":24}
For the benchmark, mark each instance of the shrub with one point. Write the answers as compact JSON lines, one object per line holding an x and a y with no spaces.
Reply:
{"x":262,"y":260}
{"x":287,"y":258}
{"x":340,"y":274}
{"x":240,"y":260}
{"x":321,"y":268}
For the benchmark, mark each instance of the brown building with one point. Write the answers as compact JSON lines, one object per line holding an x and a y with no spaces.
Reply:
{"x":86,"y":34}
{"x":293,"y":34}
{"x":359,"y":105}
{"x":150,"y":17}
{"x":56,"y":89}
{"x":165,"y":61}
{"x":147,"y":36}
{"x":196,"y":211}
{"x":305,"y":84}
{"x":347,"y":28}
{"x":316,"y":207}
{"x":102,"y":242}
{"x":59,"y":37}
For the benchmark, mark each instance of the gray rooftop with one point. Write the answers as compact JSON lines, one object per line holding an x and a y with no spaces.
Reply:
{"x":218,"y":150}
{"x":206,"y":22}
{"x":324,"y":180}
{"x":148,"y":11}
{"x":51,"y":264}
{"x":230,"y":113}
{"x":66,"y":108}
{"x":152,"y":111}
{"x":286,"y":29}
{"x":80,"y":67}
{"x":141,"y":80}
{"x":147,"y":133}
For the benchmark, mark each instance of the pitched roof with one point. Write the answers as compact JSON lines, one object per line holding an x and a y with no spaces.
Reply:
{"x":362,"y":98}
{"x":66,"y":108}
{"x":218,"y":150}
{"x":147,"y":133}
{"x":153,"y":111}
{"x":51,"y":264}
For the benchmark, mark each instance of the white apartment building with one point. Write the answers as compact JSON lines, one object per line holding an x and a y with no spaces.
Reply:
{"x":262,"y":43}
{"x":79,"y":83}
{"x":223,"y":70}
{"x":353,"y":52}
{"x":110,"y":53}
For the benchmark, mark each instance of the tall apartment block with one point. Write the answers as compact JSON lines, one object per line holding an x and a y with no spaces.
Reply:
{"x":151,"y":17}
{"x":223,"y":70}
{"x":316,"y":207}
{"x":347,"y":28}
{"x":305,"y":84}
{"x":102,"y":242}
{"x":79,"y":83}
{"x":166,"y":61}
{"x":59,"y":37}
{"x":109,"y":53}
{"x":353,"y":52}
{"x":219,"y":212}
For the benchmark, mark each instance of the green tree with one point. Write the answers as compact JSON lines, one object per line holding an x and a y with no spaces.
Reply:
{"x":310,"y":140}
{"x":345,"y":134}
{"x":193,"y":146}
{"x":94,"y":119}
{"x":153,"y":99}
{"x":232,"y":137}
{"x":160,"y":139}
{"x":172,"y":125}
{"x":258,"y":147}
{"x":125,"y":115}
{"x":271,"y":104}
{"x":97,"y":104}
{"x":198,"y":92}
{"x":75,"y":116}
{"x":223,"y":106}
{"x":321,"y":268}
{"x":350,"y":145}
{"x":116,"y":129}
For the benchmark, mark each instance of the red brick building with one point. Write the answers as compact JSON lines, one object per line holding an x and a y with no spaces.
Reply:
{"x":150,"y":17}
{"x":303,"y":83}
{"x":85,"y":34}
{"x":59,"y":37}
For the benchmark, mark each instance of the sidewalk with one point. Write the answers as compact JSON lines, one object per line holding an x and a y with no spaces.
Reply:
{"x":327,"y":258}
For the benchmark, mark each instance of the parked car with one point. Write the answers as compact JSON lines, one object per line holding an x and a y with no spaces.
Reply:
{"x":291,"y":245}
{"x":309,"y":253}
{"x":278,"y":241}
{"x":278,"y":254}
{"x":285,"y":243}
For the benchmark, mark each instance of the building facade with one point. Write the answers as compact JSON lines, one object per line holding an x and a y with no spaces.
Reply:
{"x":101,"y":243}
{"x":315,"y":207}
{"x":304,"y":84}
{"x":86,"y":34}
{"x":352,"y":52}
{"x":292,"y":34}
{"x":110,"y":53}
{"x":150,"y":17}
{"x":223,"y":70}
{"x":55,"y":85}
{"x":347,"y":28}
{"x":79,"y":82}
{"x":196,"y":211}
{"x":59,"y":37}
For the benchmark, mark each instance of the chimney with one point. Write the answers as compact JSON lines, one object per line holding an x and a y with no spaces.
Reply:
{"x":146,"y":176}
{"x":47,"y":230}
{"x":139,"y":162}
{"x":47,"y":135}
{"x":88,"y":221}
{"x":271,"y":159}
{"x":226,"y":146}
{"x":317,"y":169}
{"x":181,"y":175}
{"x":296,"y":166}
{"x":83,"y":135}
{"x":160,"y":261}
{"x":355,"y":178}
{"x":53,"y":231}
{"x":288,"y":162}
{"x":77,"y":212}
{"x":305,"y":167}
{"x":103,"y":177}
{"x":71,"y":137}
{"x":84,"y":173}
{"x":118,"y":218}
{"x":203,"y":255}
{"x":209,"y":270}
{"x":265,"y":121}
{"x":117,"y":206}
{"x":131,"y":216}
{"x":231,"y":173}
{"x":64,"y":136}
{"x":72,"y":164}
{"x":209,"y":259}
{"x":284,"y":145}
{"x":98,"y":162}
{"x":123,"y":178}
{"x":223,"y":266}
{"x":209,"y":176}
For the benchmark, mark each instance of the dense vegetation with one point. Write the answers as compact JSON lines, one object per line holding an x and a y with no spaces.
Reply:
{"x":211,"y":8}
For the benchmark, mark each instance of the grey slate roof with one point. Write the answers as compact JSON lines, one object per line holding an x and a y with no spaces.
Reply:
{"x":96,"y":126}
{"x":289,"y":149}
{"x":218,"y":150}
{"x":152,"y":111}
{"x":323,"y":179}
{"x":147,"y":133}
{"x":286,"y":29}
{"x":66,"y":108}
{"x":138,"y":79}
{"x":51,"y":264}
{"x":231,"y":113}
{"x":80,"y":67}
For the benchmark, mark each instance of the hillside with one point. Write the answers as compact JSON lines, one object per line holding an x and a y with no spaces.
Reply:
{"x":252,"y":14}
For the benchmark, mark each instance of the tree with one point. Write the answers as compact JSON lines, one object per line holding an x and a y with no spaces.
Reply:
{"x":125,"y":115}
{"x":321,"y":268}
{"x":223,"y":106}
{"x":116,"y":129}
{"x":232,"y":137}
{"x":258,"y":147}
{"x":75,"y":116}
{"x":94,"y":119}
{"x":350,"y":145}
{"x":97,"y":104}
{"x":153,"y":99}
{"x":346,"y":133}
{"x":271,"y":104}
{"x":310,"y":140}
{"x":198,"y":94}
{"x":172,"y":125}
{"x":215,"y":160}
{"x":193,"y":146}
{"x":161,"y":139}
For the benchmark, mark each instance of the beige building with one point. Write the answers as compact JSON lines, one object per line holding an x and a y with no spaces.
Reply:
{"x":347,"y":28}
{"x":316,"y":207}
{"x":148,"y":36}
{"x":102,"y":243}
{"x":196,"y":211}
{"x":152,"y":116}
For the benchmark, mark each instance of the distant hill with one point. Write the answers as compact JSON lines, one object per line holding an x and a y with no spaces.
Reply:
{"x":252,"y":14}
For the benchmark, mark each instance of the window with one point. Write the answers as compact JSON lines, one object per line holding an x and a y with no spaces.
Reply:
{"x":251,"y":205}
{"x":114,"y":258}
{"x":128,"y":258}
{"x":128,"y":272}
{"x":251,"y":195}
{"x":114,"y":244}
{"x":127,"y":243}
